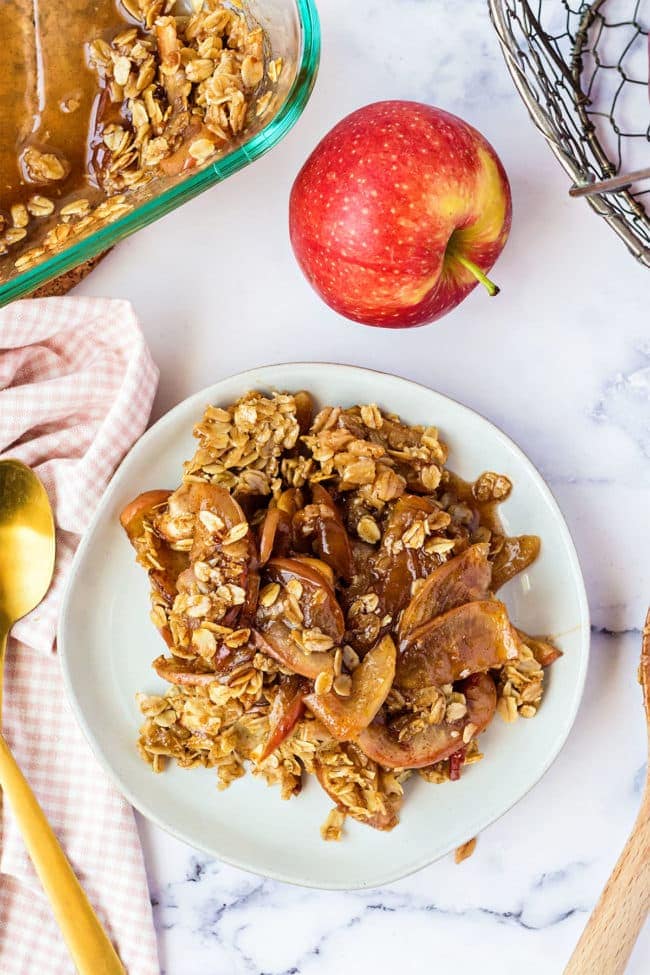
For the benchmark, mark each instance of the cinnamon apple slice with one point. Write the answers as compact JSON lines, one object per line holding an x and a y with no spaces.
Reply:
{"x":276,"y":640}
{"x":276,"y":525}
{"x":515,"y":555}
{"x":466,"y":640}
{"x":201,"y":673}
{"x":543,"y":651}
{"x":172,"y":564}
{"x":192,"y":498}
{"x":304,"y":409}
{"x":436,"y":742}
{"x":318,"y":603}
{"x":398,"y":566}
{"x":208,"y":514}
{"x":463,"y":579}
{"x":383,"y":819}
{"x":133,"y":515}
{"x":318,"y":566}
{"x":286,"y":711}
{"x":183,"y":672}
{"x":319,"y":610}
{"x":321,"y":523}
{"x":346,"y":717}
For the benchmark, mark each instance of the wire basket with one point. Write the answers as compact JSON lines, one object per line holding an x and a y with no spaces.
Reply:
{"x":582,"y":70}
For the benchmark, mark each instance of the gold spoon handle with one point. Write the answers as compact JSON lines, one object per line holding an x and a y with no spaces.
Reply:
{"x":4,"y":636}
{"x":92,"y":952}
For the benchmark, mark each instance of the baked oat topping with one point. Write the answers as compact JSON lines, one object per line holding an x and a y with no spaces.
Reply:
{"x":465,"y":850}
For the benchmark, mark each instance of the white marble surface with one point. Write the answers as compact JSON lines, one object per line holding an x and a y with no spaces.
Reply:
{"x":561,"y":361}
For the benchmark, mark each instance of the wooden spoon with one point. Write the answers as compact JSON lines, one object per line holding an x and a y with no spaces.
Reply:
{"x":611,"y":932}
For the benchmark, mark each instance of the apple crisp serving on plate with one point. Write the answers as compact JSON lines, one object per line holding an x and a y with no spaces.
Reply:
{"x":326,"y":589}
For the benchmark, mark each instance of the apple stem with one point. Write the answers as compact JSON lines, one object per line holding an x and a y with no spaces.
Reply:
{"x":474,"y":269}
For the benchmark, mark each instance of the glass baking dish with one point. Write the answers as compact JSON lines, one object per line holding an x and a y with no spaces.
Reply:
{"x":293,"y":33}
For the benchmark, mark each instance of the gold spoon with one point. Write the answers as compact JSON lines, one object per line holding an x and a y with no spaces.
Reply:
{"x":26,"y":567}
{"x":611,"y":932}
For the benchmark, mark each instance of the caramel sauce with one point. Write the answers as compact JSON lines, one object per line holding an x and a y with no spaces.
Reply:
{"x":516,"y":552}
{"x":488,"y":511}
{"x":48,"y":93}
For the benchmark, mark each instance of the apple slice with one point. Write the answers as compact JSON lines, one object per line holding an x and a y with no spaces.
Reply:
{"x":436,"y":742}
{"x":184,"y":672}
{"x":275,"y":527}
{"x":466,"y":640}
{"x":268,"y":530}
{"x":277,"y":641}
{"x":192,"y":498}
{"x":318,"y":602}
{"x":237,"y":559}
{"x":399,"y":566}
{"x":515,"y":555}
{"x":173,"y":564}
{"x":201,"y":673}
{"x":290,"y":501}
{"x":346,"y":717}
{"x":544,"y":652}
{"x":135,"y":512}
{"x":216,"y":500}
{"x":333,"y":546}
{"x":319,"y":609}
{"x":321,"y":523}
{"x":318,"y":566}
{"x":286,"y":711}
{"x":463,"y":579}
{"x":304,"y":409}
{"x":381,"y":819}
{"x":183,"y":518}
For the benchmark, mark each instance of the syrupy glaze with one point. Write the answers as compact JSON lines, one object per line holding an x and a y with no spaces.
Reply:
{"x":516,"y":553}
{"x":18,"y":92}
{"x":488,"y":511}
{"x":47,"y":90}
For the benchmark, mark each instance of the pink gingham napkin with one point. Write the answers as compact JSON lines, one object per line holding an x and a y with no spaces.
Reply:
{"x":76,"y":387}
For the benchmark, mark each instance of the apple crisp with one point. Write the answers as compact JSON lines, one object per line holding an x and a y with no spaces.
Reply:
{"x":110,"y":98}
{"x":326,"y":590}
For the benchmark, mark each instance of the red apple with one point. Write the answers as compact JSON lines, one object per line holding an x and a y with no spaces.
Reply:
{"x":398,"y":214}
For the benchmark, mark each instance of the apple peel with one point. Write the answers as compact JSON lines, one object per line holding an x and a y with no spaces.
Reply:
{"x":286,"y":711}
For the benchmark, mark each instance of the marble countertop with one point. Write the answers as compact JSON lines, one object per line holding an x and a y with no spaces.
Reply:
{"x":560,"y":361}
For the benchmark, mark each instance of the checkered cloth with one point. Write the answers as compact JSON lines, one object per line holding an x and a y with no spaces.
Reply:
{"x":76,"y":387}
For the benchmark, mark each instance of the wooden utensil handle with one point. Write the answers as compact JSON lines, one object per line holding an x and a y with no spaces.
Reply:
{"x":92,"y":952}
{"x":607,"y":941}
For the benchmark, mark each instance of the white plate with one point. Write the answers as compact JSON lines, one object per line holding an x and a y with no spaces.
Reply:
{"x":107,"y":643}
